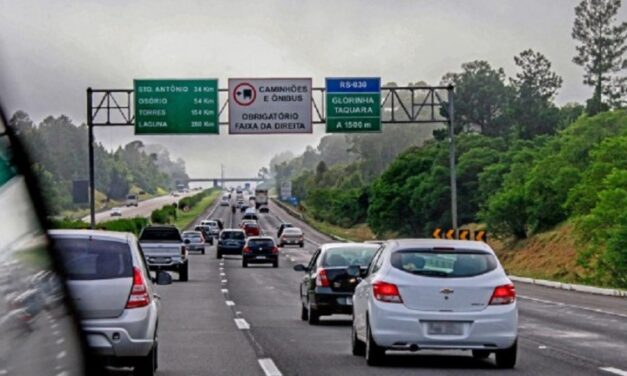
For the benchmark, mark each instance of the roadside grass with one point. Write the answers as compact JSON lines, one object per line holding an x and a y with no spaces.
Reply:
{"x":184,"y":219}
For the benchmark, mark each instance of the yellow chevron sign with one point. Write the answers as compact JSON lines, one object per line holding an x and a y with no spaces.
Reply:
{"x":437,"y":233}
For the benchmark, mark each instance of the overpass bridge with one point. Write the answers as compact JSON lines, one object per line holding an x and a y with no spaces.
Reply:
{"x":218,"y":182}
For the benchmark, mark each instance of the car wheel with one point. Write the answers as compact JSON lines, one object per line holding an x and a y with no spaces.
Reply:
{"x":507,"y":358}
{"x":358,"y":346}
{"x":313,"y":316}
{"x":302,"y":245}
{"x":480,"y":354}
{"x":147,"y":365}
{"x":218,"y":254}
{"x":202,"y":252}
{"x":184,"y":272}
{"x":304,"y":314}
{"x":244,"y":264}
{"x":275,"y":264}
{"x":375,"y":354}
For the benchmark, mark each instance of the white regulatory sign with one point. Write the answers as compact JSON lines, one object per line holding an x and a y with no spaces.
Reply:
{"x":269,"y":105}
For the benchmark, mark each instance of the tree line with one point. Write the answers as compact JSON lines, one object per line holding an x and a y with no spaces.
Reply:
{"x":59,"y":152}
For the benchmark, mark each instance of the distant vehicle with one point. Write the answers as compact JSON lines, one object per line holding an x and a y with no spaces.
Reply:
{"x":218,"y":221}
{"x":238,"y":190}
{"x":132,"y":200}
{"x":213,"y":225}
{"x":180,"y":187}
{"x":282,"y":227}
{"x":175,"y":194}
{"x":292,"y":235}
{"x":239,"y":203}
{"x":264,"y":209}
{"x":196,"y":241}
{"x":165,"y":249}
{"x":250,"y":215}
{"x":261,"y":197}
{"x":116,"y":212}
{"x":251,"y":229}
{"x":327,"y":287}
{"x":260,"y":250}
{"x":121,"y":324}
{"x":225,"y":201}
{"x":206,"y":233}
{"x":435,"y":294}
{"x":246,"y":221}
{"x":230,"y":242}
{"x":243,"y":208}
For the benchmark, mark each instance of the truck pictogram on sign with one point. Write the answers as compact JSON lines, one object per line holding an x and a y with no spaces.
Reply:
{"x":244,"y":94}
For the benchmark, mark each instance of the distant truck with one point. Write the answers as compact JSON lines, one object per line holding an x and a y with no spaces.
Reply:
{"x":132,"y":200}
{"x":165,"y":249}
{"x":261,"y":197}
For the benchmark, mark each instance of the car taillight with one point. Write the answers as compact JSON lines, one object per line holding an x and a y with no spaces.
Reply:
{"x":139,"y":292}
{"x":505,"y":294}
{"x":275,"y":250}
{"x":247,"y":250}
{"x":322,"y":280}
{"x":386,"y":292}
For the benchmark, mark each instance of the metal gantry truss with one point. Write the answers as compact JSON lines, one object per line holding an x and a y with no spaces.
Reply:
{"x":399,"y":105}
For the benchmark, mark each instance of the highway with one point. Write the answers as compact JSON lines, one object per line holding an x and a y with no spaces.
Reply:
{"x":233,"y":321}
{"x":143,"y":210}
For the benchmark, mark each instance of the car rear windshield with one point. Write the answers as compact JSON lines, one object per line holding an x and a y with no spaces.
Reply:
{"x":90,"y":259}
{"x":444,"y":264}
{"x":192,"y":237}
{"x":265,"y":243}
{"x":236,"y":235}
{"x":161,"y":234}
{"x":292,"y":231}
{"x":347,"y":256}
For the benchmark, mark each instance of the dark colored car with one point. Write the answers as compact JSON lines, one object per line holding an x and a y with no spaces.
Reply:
{"x":196,"y":241}
{"x":264,"y":209}
{"x":327,"y":287}
{"x":243,"y":208}
{"x":251,"y":229}
{"x":260,"y":250}
{"x":206,"y":233}
{"x":252,"y":216}
{"x":282,"y":227}
{"x":230,"y":242}
{"x":292,"y":235}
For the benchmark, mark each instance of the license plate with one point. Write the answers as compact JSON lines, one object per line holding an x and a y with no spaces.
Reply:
{"x":449,"y":328}
{"x":261,"y":257}
{"x":160,"y":260}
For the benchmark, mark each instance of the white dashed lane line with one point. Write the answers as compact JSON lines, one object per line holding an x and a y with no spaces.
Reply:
{"x":614,"y":371}
{"x":269,"y":368}
{"x":61,"y":355}
{"x":230,"y":303}
{"x":225,"y":291}
{"x":242,"y":324}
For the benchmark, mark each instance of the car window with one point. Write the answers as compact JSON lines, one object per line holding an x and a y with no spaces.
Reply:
{"x":261,"y":243}
{"x":347,"y":256}
{"x":376,"y":262}
{"x":444,"y":264}
{"x":314,"y":260}
{"x":234,"y":235}
{"x":32,"y":289}
{"x":160,"y":234}
{"x":93,"y":259}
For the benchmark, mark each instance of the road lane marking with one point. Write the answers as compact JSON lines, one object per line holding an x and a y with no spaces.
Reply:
{"x":595,"y":310}
{"x":222,"y":274}
{"x":224,"y":281}
{"x":225,"y":291}
{"x":60,"y":341}
{"x":242,"y":324}
{"x":613,"y":370}
{"x":61,"y":355}
{"x":230,"y":303}
{"x":269,"y":368}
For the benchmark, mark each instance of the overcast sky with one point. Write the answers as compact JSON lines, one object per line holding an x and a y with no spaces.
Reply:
{"x":51,"y":51}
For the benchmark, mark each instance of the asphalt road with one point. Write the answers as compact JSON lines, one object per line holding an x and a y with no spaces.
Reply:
{"x":143,"y":210}
{"x":232,"y":321}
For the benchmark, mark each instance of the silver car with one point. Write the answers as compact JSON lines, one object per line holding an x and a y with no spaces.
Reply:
{"x":436,"y":295}
{"x":114,"y":293}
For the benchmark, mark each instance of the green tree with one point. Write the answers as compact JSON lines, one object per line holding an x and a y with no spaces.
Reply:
{"x":601,"y":49}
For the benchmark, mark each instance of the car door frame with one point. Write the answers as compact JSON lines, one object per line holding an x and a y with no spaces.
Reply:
{"x":306,"y":286}
{"x":361,"y":297}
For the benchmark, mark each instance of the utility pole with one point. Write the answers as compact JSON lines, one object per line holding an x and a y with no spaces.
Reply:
{"x":92,"y":179}
{"x":452,"y":157}
{"x":222,"y":174}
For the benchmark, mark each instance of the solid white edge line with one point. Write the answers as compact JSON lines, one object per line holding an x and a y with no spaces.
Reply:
{"x":242,"y":324}
{"x":268,"y":367}
{"x":595,"y":310}
{"x":613,"y":370}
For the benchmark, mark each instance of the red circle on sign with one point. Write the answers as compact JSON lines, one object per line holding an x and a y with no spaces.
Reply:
{"x":244,"y":94}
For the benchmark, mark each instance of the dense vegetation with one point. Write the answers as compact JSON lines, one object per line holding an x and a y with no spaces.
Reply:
{"x":58,"y":149}
{"x":524,"y":164}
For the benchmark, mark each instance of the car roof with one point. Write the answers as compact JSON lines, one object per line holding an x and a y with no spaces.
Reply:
{"x":123,"y":237}
{"x":292,"y":229}
{"x":232,"y":230}
{"x":327,"y":246}
{"x":462,"y":245}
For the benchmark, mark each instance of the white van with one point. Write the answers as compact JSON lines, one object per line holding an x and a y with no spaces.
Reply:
{"x":132,"y":200}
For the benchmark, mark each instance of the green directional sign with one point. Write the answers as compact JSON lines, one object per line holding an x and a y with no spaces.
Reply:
{"x":176,"y":106}
{"x":353,"y":105}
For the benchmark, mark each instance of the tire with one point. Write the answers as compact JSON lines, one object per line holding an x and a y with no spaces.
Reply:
{"x":184,"y":272}
{"x":375,"y":354}
{"x":218,"y":254}
{"x":480,"y":354}
{"x":358,"y":346}
{"x":147,"y":365}
{"x":507,"y":358}
{"x":244,"y":264}
{"x":281,"y":245}
{"x":275,"y":264}
{"x":302,"y":245}
{"x":304,"y":314}
{"x":313,"y":316}
{"x":202,"y":252}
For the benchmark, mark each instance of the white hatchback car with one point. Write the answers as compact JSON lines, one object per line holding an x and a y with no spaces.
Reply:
{"x":436,"y":295}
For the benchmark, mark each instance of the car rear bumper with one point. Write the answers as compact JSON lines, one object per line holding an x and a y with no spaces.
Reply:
{"x":196,"y":247}
{"x":261,"y":259}
{"x":163,"y":262}
{"x":130,"y":335}
{"x":231,"y":250}
{"x":292,"y":241}
{"x":329,"y":303}
{"x":398,"y":327}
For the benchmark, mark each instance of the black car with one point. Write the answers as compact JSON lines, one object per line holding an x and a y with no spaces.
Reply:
{"x":260,"y":250}
{"x":230,"y":242}
{"x":282,"y":227}
{"x":206,"y":233}
{"x":327,"y":287}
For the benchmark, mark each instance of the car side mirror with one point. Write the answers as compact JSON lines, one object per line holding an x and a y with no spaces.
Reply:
{"x":300,"y":268}
{"x":163,"y":278}
{"x":354,"y":271}
{"x":186,"y":241}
